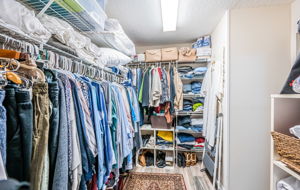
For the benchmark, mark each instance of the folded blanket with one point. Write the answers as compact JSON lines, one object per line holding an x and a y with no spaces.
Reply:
{"x":289,"y":183}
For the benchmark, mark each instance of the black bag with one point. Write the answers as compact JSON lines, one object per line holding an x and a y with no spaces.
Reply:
{"x":295,"y":72}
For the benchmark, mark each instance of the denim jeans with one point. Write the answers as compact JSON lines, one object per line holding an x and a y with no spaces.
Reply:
{"x":53,"y":92}
{"x":2,"y":127}
{"x":40,"y":131}
{"x":19,"y":133}
{"x":187,"y":88}
{"x":25,"y":112}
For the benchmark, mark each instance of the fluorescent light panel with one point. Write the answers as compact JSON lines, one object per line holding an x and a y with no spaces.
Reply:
{"x":169,"y":10}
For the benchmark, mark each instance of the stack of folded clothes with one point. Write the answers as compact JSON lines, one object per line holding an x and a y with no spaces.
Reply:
{"x":185,"y":69}
{"x":187,"y":88}
{"x":184,"y":121}
{"x":169,"y":158}
{"x":198,"y":104}
{"x":189,"y":142}
{"x":148,"y":141}
{"x":196,"y":87}
{"x":187,"y":105}
{"x":197,"y":122}
{"x":195,"y":73}
{"x":164,"y":139}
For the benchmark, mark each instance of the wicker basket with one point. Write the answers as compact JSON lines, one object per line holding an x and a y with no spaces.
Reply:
{"x":289,"y":150}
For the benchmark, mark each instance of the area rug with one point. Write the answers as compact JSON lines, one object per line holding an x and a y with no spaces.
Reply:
{"x":154,"y":181}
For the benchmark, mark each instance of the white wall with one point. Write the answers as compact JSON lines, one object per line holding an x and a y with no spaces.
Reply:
{"x":220,"y":47}
{"x":142,"y":49}
{"x":295,"y":16}
{"x":259,"y":65}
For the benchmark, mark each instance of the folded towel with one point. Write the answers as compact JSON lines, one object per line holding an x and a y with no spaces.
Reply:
{"x":295,"y":131}
{"x":289,"y":183}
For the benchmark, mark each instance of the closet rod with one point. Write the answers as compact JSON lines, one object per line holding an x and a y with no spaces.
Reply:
{"x":18,"y":36}
{"x":201,"y":61}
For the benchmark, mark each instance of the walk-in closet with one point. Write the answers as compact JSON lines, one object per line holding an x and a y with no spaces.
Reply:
{"x":149,"y":95}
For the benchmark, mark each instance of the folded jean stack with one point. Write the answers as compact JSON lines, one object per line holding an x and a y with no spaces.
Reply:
{"x":194,"y":105}
{"x":187,"y":73}
{"x":187,"y":105}
{"x":192,"y":88}
{"x":185,"y":123}
{"x":189,"y":142}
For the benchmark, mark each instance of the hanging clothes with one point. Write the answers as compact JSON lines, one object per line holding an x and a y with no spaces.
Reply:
{"x":73,"y":129}
{"x":212,"y":89}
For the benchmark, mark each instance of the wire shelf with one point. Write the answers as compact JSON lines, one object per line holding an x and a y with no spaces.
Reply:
{"x":73,"y":18}
{"x":21,"y":36}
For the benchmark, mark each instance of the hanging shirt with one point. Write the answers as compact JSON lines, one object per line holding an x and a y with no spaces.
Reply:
{"x":212,"y":88}
{"x":178,"y":102}
{"x":156,"y":89}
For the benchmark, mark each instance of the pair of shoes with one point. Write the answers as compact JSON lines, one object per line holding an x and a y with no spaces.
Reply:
{"x":181,"y":160}
{"x":193,"y":159}
{"x":187,"y":159}
{"x":190,"y":159}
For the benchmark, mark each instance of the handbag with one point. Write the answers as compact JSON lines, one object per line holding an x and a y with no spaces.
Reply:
{"x":153,"y":55}
{"x":142,"y":158}
{"x":187,"y":54}
{"x":169,"y":54}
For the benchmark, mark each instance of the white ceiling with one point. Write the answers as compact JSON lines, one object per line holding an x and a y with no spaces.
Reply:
{"x":141,"y":19}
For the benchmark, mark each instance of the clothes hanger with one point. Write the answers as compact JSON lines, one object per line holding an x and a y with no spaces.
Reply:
{"x":10,"y":73}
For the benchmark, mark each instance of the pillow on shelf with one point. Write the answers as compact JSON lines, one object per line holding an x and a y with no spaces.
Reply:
{"x":56,"y":26}
{"x":114,"y":37}
{"x":110,"y":57}
{"x":14,"y":13}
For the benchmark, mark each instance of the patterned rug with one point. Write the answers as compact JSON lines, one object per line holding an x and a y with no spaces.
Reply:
{"x":154,"y":181}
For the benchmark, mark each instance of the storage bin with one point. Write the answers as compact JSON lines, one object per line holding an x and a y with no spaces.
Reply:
{"x":288,"y":149}
{"x":153,"y":55}
{"x":90,"y":11}
{"x":169,"y":54}
{"x":187,"y":54}
{"x":159,"y":122}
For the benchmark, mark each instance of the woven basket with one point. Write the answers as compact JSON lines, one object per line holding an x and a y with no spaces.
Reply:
{"x":289,"y":150}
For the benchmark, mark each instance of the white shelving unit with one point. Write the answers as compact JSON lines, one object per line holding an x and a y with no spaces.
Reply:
{"x":155,"y":148}
{"x":197,"y":114}
{"x":285,"y":113}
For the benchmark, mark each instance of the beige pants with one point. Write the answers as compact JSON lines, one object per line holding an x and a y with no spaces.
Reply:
{"x":40,"y":132}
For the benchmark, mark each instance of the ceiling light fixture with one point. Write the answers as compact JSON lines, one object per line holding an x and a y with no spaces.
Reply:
{"x":169,"y":10}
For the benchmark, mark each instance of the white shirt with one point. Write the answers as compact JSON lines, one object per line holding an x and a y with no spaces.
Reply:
{"x":212,"y":88}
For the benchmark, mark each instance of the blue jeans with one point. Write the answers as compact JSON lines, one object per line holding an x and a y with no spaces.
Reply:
{"x":187,"y":88}
{"x":2,"y":127}
{"x":19,"y":133}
